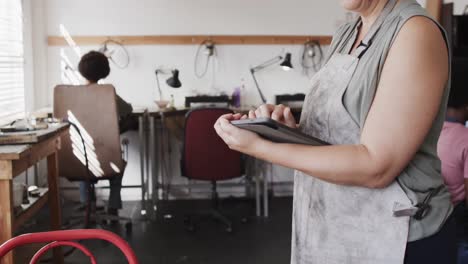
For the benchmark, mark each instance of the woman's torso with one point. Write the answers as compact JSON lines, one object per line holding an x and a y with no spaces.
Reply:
{"x":424,"y":170}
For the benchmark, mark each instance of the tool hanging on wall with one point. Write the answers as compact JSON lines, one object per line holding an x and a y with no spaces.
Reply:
{"x":116,"y":52}
{"x":206,"y":52}
{"x":312,"y":56}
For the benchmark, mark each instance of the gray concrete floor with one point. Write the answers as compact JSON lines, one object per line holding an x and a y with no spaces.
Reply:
{"x":165,"y":241}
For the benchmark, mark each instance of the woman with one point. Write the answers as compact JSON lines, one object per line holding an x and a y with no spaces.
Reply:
{"x":453,"y":141}
{"x":94,"y":66}
{"x":453,"y":151}
{"x":453,"y":144}
{"x":376,"y":195}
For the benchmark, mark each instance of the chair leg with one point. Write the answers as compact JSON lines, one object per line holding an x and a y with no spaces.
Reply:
{"x":214,"y":195}
{"x":92,"y":216}
{"x":213,"y":213}
{"x":216,"y":213}
{"x":104,"y":217}
{"x":189,"y":223}
{"x":218,"y":216}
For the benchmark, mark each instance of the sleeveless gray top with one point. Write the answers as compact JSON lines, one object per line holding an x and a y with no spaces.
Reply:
{"x":423,"y":173}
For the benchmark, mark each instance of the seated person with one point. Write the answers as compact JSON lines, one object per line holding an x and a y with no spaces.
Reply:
{"x":453,"y":145}
{"x":94,"y":66}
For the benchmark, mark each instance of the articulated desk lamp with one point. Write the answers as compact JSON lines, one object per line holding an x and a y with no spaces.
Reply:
{"x":173,"y":82}
{"x":286,"y":65}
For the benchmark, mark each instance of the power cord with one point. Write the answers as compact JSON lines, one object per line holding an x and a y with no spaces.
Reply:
{"x":90,"y":189}
{"x":88,"y":172}
{"x":210,"y":52}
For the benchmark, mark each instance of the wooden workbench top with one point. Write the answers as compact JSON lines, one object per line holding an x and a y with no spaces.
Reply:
{"x":16,"y":152}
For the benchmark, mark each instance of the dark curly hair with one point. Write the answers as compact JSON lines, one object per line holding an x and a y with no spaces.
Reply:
{"x":94,"y":66}
{"x":459,"y":90}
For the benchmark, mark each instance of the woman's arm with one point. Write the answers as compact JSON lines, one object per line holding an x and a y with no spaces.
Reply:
{"x":123,"y":108}
{"x":405,"y":105}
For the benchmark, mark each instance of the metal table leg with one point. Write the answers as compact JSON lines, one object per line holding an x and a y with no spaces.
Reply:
{"x":268,"y":171}
{"x":36,"y":175}
{"x":257,"y":190}
{"x":141,"y":133}
{"x":154,"y":161}
{"x":166,"y":164}
{"x":147,"y":156}
{"x":161,"y":158}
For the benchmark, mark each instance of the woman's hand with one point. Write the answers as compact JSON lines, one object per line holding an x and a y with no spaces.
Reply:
{"x":237,"y":139}
{"x":279,"y":113}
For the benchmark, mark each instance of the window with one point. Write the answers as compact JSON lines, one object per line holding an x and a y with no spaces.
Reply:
{"x":12,"y":102}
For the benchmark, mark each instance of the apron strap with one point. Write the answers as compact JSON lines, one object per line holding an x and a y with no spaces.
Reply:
{"x":419,"y":211}
{"x":367,"y":41}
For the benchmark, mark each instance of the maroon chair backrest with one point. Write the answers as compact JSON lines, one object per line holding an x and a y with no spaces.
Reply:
{"x":205,"y":155}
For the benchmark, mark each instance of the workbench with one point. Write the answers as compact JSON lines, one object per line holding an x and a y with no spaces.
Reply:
{"x":16,"y":159}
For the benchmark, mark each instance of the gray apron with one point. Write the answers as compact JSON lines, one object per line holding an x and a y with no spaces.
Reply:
{"x":335,"y":224}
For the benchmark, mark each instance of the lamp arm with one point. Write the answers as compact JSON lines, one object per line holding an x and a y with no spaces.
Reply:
{"x":163,"y":71}
{"x":159,"y":85}
{"x":267,"y":63}
{"x":252,"y":71}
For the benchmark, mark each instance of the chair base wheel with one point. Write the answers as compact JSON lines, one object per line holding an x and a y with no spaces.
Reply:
{"x":189,"y":226}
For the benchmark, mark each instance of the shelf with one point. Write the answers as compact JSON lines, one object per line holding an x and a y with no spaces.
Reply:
{"x":26,"y":211}
{"x":192,"y":40}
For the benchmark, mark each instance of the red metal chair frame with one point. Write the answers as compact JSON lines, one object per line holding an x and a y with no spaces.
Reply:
{"x":68,"y":238}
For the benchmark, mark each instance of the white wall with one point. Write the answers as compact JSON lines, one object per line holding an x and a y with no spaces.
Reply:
{"x":171,"y":17}
{"x":39,"y":51}
{"x":208,"y":17}
{"x":28,"y":55}
{"x":459,"y":5}
{"x":193,"y":17}
{"x":125,"y":17}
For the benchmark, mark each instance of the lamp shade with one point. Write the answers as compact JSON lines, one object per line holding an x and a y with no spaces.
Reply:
{"x":174,"y":81}
{"x":286,"y":64}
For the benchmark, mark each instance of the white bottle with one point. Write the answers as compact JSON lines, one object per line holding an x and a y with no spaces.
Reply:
{"x":172,"y":102}
{"x":243,"y":94}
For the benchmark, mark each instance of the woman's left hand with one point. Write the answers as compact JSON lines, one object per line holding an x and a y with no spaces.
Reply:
{"x":237,"y":139}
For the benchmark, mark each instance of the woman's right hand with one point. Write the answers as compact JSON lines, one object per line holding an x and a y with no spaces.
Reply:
{"x":279,"y":113}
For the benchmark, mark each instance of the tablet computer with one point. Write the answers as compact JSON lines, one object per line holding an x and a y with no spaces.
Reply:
{"x":277,"y":132}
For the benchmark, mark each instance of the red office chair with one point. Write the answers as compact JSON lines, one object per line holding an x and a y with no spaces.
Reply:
{"x":206,"y":157}
{"x":67,"y":238}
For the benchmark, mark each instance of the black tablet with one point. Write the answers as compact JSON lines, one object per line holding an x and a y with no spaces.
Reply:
{"x":277,"y":132}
